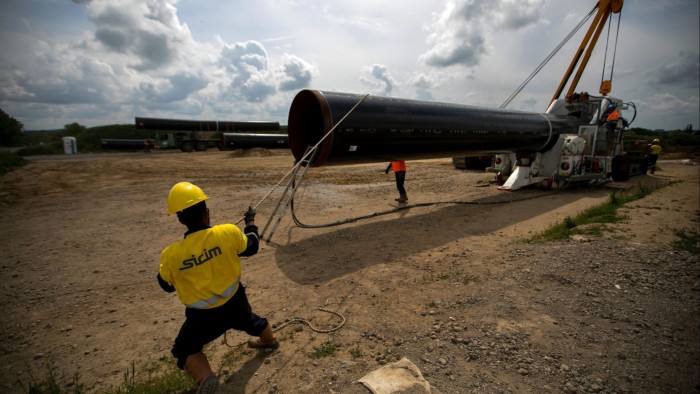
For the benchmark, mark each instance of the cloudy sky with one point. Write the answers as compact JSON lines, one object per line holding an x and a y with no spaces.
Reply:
{"x":100,"y":62}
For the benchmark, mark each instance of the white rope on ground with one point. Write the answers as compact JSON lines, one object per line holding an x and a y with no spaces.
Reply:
{"x":302,"y":321}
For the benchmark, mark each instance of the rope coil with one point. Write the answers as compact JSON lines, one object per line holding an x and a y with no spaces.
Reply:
{"x":303,"y":321}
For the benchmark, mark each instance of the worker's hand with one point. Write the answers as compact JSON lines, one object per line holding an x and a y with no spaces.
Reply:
{"x":249,"y":215}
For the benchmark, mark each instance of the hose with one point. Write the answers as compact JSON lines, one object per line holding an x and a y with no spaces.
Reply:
{"x":300,"y":224}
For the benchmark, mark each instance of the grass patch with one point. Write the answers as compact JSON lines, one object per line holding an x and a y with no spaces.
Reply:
{"x":592,"y":221}
{"x":54,"y":382}
{"x":326,"y":349}
{"x":687,"y":240}
{"x":170,"y":380}
{"x":10,"y":161}
{"x":159,"y":378}
{"x":45,"y":149}
{"x":356,"y":353}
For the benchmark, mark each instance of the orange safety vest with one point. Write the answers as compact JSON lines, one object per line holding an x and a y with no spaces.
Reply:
{"x":398,"y":166}
{"x":614,"y":115}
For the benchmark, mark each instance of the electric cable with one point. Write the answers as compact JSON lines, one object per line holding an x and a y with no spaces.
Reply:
{"x":300,"y":224}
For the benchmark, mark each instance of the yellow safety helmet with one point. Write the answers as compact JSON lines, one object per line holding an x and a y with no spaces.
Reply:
{"x":656,"y":141}
{"x":184,"y":195}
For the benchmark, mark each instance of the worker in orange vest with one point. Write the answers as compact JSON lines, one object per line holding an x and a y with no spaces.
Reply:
{"x":399,"y":168}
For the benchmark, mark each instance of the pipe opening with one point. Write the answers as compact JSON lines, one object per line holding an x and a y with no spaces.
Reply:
{"x":309,"y":120}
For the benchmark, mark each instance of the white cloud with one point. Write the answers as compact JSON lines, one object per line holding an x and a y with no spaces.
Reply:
{"x":106,"y":61}
{"x":295,"y":73}
{"x":458,"y":35}
{"x":380,"y":81}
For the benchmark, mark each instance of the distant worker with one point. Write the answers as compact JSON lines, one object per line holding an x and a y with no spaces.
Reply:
{"x":147,"y":145}
{"x":399,"y":168}
{"x":654,"y":151}
{"x":205,"y":270}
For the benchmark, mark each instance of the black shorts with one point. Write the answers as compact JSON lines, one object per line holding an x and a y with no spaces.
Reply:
{"x":202,"y":326}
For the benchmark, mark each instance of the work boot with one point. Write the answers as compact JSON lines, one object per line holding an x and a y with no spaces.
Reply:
{"x":402,"y":198}
{"x":198,"y":367}
{"x":266,"y":340}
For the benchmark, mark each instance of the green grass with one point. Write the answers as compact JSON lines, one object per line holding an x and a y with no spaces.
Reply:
{"x":592,"y":221}
{"x":171,"y":380}
{"x":356,"y":353}
{"x":326,"y":349}
{"x":10,"y":161}
{"x":54,"y":382}
{"x":687,"y":240}
{"x":157,"y":378}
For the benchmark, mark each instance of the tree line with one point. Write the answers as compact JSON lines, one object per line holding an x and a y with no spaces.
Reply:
{"x":89,"y":138}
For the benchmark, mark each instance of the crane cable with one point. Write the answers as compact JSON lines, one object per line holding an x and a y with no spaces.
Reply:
{"x":617,"y":36}
{"x":547,"y":59}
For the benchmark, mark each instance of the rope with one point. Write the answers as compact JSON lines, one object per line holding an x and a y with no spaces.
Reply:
{"x":309,"y":152}
{"x":546,"y":60}
{"x":302,"y":321}
{"x":311,"y":326}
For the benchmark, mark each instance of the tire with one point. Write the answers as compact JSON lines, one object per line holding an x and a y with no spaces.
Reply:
{"x":201,"y":146}
{"x":644,"y":167}
{"x":620,"y":168}
{"x":187,"y":146}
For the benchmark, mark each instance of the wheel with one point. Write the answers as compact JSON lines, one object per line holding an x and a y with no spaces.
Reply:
{"x":620,"y":168}
{"x":201,"y":146}
{"x":187,"y":146}
{"x":644,"y":167}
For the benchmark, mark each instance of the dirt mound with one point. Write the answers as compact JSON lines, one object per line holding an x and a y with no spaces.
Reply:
{"x":255,"y":152}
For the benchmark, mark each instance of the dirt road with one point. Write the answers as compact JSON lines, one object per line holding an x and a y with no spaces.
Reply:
{"x":447,"y":285}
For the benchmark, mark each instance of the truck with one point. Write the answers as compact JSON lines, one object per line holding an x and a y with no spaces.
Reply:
{"x":196,"y":135}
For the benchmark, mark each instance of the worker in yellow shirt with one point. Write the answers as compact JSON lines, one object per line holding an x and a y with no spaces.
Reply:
{"x":205,"y":270}
{"x":654,"y":151}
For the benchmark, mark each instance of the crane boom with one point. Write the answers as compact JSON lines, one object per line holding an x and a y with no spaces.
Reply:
{"x":583,"y":54}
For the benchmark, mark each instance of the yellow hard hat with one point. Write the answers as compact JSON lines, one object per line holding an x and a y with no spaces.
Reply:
{"x":184,"y":195}
{"x":656,"y":141}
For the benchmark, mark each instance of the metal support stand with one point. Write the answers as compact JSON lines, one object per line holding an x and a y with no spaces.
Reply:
{"x":288,"y":194}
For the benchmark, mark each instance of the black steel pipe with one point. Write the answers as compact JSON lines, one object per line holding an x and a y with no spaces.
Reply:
{"x":123,"y":143}
{"x":204,"y":125}
{"x":253,"y":140}
{"x":384,"y":128}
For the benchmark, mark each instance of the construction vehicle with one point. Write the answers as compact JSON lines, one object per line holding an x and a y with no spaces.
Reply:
{"x":195,"y":135}
{"x":577,"y":139}
{"x":596,"y":152}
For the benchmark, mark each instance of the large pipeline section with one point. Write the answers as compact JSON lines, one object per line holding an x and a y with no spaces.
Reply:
{"x":204,"y":125}
{"x":384,"y":128}
{"x":253,"y":140}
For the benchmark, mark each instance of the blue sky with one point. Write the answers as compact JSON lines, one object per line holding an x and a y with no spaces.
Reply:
{"x":100,"y":62}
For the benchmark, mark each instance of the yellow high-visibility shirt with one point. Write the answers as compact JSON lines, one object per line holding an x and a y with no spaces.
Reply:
{"x":655,"y":149}
{"x":204,"y":267}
